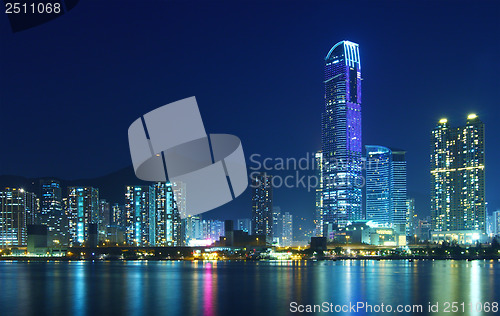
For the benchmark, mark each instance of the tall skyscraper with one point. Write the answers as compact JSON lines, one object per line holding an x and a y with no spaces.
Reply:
{"x":386,"y":186}
{"x":193,"y":228}
{"x":52,"y":213}
{"x":411,"y":218}
{"x":50,"y":197}
{"x":104,"y":214}
{"x":262,"y":205}
{"x":168,"y":222}
{"x":277,"y":229}
{"x":321,"y":211}
{"x":180,"y":197}
{"x":83,"y":212}
{"x":457,"y":178}
{"x":495,"y":222}
{"x":341,"y":193}
{"x":379,"y":184}
{"x":17,"y":210}
{"x":140,"y":215}
{"x":31,"y":205}
{"x":398,"y":216}
{"x":287,"y":230}
{"x":117,"y":215}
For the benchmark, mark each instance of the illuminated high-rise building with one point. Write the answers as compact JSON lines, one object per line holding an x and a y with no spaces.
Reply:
{"x":341,"y":192}
{"x":104,"y":213}
{"x":457,"y":179}
{"x":321,"y":212}
{"x":51,"y":212}
{"x":277,"y":229}
{"x":411,"y":217}
{"x":103,"y":220}
{"x":83,"y":213}
{"x":262,"y":205}
{"x":180,"y":197}
{"x":495,"y":223}
{"x":140,"y":217}
{"x":398,"y":216}
{"x":386,"y":186}
{"x":17,"y":210}
{"x":50,"y":197}
{"x":212,"y":229}
{"x":287,"y":230}
{"x":117,"y":215}
{"x":379,"y":184}
{"x":168,"y":222}
{"x":244,"y":224}
{"x":192,"y":229}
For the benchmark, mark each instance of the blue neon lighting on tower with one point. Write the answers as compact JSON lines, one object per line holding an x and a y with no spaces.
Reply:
{"x":340,"y":197}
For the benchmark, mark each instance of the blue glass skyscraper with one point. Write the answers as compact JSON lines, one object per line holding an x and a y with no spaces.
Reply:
{"x":379,"y":184}
{"x":340,"y":196}
{"x":386,"y":186}
{"x":399,"y":196}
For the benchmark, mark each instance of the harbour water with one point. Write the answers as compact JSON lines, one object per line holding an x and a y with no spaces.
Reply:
{"x":245,"y":288}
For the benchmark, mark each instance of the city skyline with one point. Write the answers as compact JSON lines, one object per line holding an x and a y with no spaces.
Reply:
{"x":151,"y":217}
{"x":400,"y":91}
{"x":383,"y":110}
{"x":145,"y":225}
{"x":368,"y":130}
{"x":151,"y":214}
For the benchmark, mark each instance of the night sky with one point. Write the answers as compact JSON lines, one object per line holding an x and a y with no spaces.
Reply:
{"x":70,"y":88}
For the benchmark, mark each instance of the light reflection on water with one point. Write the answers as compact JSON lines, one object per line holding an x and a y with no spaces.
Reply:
{"x":229,"y":288}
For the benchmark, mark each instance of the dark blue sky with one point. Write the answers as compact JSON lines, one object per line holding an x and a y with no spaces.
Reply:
{"x":71,"y":87}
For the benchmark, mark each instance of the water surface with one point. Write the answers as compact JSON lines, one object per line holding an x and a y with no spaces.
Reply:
{"x":238,"y":288}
